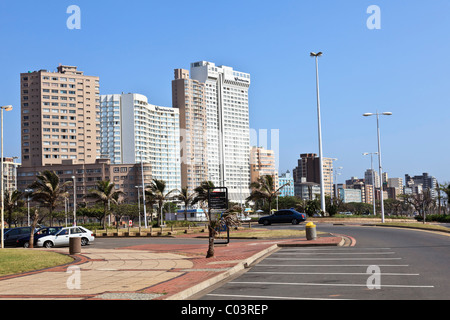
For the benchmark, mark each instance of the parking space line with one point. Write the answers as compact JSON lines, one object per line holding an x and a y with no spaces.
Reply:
{"x":326,"y":284}
{"x":342,"y":259}
{"x":333,"y":273}
{"x":266,"y":297}
{"x":329,"y":265}
{"x":334,"y":253}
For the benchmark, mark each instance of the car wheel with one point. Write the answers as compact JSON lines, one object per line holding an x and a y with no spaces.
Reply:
{"x":26,"y":245}
{"x":295,"y":221}
{"x":48,"y":244}
{"x":84,"y":242}
{"x":266,"y":222}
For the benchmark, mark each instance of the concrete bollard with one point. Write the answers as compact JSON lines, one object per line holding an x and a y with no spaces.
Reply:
{"x":311,"y":231}
{"x":74,"y":246}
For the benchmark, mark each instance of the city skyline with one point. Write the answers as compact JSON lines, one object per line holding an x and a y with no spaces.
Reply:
{"x":390,"y":70}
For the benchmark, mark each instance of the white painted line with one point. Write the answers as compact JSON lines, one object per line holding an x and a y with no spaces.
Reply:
{"x":333,"y":259}
{"x":329,"y":265}
{"x":334,"y":249}
{"x":333,"y":273}
{"x":333,"y":253}
{"x":266,"y":297}
{"x":327,"y":284}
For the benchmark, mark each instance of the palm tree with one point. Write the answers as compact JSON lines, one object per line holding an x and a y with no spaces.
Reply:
{"x":49,"y":191}
{"x":11,"y":198}
{"x":104,"y":194}
{"x":187,"y":199}
{"x":158,"y":191}
{"x":229,"y":217}
{"x":202,"y":199}
{"x":264,"y":188}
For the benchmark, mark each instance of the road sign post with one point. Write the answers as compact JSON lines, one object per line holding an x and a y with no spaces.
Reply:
{"x":218,"y":200}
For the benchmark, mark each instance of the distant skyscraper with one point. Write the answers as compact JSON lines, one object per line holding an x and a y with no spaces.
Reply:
{"x":262,"y":163}
{"x":58,"y":117}
{"x":283,"y":179}
{"x":308,"y":171}
{"x":228,"y":132}
{"x":188,"y":96}
{"x":368,"y":177}
{"x":134,"y":131}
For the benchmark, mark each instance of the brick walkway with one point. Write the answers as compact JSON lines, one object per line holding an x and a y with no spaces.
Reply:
{"x":158,"y":272}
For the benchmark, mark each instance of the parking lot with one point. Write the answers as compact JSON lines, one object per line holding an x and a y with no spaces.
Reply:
{"x":327,"y":273}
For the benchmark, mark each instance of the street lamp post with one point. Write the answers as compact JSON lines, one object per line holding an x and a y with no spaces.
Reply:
{"x":379,"y":156}
{"x":322,"y":187}
{"x":74,"y":201}
{"x":143,"y":189}
{"x":373,"y":180}
{"x":139,"y":206}
{"x":6,"y":108}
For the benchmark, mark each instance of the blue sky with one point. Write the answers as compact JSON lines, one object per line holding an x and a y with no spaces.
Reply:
{"x":133,"y":46}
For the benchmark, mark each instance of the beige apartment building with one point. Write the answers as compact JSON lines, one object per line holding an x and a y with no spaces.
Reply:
{"x":188,"y":96}
{"x":84,"y":177}
{"x":58,"y":117}
{"x":262,"y":163}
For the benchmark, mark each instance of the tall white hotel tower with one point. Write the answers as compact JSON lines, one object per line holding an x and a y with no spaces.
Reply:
{"x":228,"y":132}
{"x":135,"y":131}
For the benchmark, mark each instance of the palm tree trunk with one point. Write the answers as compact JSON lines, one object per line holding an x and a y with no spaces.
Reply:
{"x":212,"y":234}
{"x":104,"y":214}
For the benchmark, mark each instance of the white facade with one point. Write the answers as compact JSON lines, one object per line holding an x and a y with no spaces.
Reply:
{"x":228,"y":132}
{"x":134,"y":131}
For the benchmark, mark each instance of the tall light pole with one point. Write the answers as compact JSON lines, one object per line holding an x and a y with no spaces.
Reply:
{"x":379,"y":156}
{"x":322,"y":186}
{"x":6,"y":108}
{"x":139,"y":206}
{"x":373,"y":180}
{"x":74,"y":201}
{"x":143,"y":189}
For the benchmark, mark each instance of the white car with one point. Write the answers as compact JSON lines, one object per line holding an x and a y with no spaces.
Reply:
{"x":62,"y":238}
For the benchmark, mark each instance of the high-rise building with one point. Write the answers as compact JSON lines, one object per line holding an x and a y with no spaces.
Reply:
{"x":135,"y":131}
{"x":372,"y":174}
{"x":308,"y":170}
{"x":228,"y":131}
{"x":286,"y":178}
{"x":262,"y":163}
{"x":188,"y":96}
{"x":422,"y":182}
{"x":10,"y":173}
{"x":58,"y":117}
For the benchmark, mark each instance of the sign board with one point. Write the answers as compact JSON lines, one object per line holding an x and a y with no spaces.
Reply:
{"x":218,"y":198}
{"x":130,"y":223}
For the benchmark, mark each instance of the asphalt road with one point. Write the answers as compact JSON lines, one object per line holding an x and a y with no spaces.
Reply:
{"x":385,"y":264}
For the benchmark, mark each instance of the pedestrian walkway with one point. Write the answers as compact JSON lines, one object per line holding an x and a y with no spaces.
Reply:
{"x":145,"y":272}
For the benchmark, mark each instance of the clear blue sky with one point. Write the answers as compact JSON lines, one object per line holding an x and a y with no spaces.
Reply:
{"x":133,"y":46}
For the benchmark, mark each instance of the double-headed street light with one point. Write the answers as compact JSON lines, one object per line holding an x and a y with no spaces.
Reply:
{"x":322,"y":187}
{"x":379,"y":156}
{"x":4,"y":108}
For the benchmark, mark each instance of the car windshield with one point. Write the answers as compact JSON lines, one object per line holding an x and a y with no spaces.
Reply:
{"x":63,"y":232}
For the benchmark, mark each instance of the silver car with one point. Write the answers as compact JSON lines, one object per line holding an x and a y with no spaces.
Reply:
{"x":62,"y":238}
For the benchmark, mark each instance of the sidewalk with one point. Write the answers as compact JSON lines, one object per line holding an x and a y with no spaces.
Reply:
{"x":145,"y":272}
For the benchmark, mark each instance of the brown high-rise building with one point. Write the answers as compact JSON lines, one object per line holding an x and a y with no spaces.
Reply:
{"x":189,"y":97}
{"x":309,"y":169}
{"x":58,"y":117}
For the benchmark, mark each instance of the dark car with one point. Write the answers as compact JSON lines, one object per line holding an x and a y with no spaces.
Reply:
{"x":42,"y":232}
{"x":283,"y":216}
{"x":13,"y":234}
